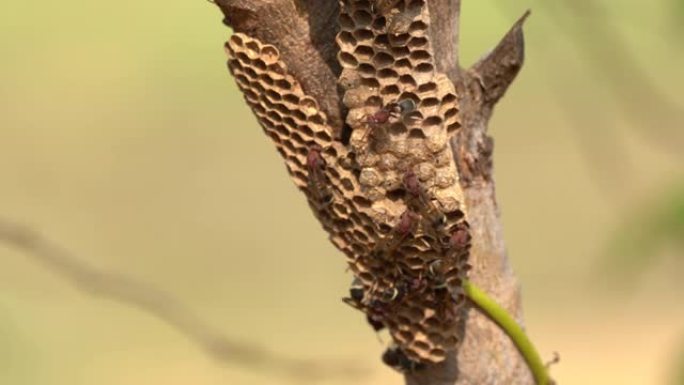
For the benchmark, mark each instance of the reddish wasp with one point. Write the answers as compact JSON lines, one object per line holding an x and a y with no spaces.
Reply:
{"x":408,"y":221}
{"x":318,"y":184}
{"x":460,"y":238}
{"x":379,"y":118}
{"x":419,"y":197}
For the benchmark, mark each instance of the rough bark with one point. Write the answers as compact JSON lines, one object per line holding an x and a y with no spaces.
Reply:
{"x":444,"y":32}
{"x":304,"y":32}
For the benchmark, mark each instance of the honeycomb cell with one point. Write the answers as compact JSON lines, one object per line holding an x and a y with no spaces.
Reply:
{"x":429,"y":102}
{"x":291,"y":99}
{"x":451,"y":114}
{"x":382,"y":60}
{"x":391,"y":90}
{"x":427,"y":89}
{"x":367,"y":70}
{"x":323,"y":136}
{"x":417,"y":42}
{"x":370,"y":82}
{"x":399,"y":40}
{"x":382,"y":41}
{"x":418,"y":27}
{"x":453,"y":127}
{"x":347,"y":60}
{"x":363,"y":53}
{"x":346,"y":39}
{"x":407,"y":82}
{"x":272,"y":95}
{"x":251,"y":73}
{"x":403,"y":64}
{"x":400,"y":52}
{"x":388,"y":75}
{"x":420,"y":56}
{"x":363,"y":36}
{"x":417,"y":133}
{"x":346,"y":22}
{"x":362,"y":18}
{"x":260,"y":65}
{"x":319,"y":120}
{"x":424,"y":68}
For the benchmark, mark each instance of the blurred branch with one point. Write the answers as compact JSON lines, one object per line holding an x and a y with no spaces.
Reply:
{"x":166,"y":308}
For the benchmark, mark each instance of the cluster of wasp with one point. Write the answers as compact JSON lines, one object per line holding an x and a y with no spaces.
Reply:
{"x":435,"y":283}
{"x":318,"y":183}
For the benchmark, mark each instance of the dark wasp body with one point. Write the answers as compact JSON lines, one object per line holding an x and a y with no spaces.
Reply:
{"x":318,"y":183}
{"x":395,"y":358}
{"x":408,"y":222}
{"x":396,"y":110}
{"x":418,"y":198}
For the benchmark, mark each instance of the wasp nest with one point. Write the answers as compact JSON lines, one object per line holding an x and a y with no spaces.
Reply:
{"x":390,"y":198}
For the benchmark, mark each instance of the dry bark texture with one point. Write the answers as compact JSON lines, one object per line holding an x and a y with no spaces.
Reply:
{"x":286,"y":55}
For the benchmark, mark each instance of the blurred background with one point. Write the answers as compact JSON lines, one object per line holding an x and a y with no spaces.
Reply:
{"x":123,"y":138}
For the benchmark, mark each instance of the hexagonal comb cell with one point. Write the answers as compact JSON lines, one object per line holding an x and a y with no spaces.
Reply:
{"x":390,"y":198}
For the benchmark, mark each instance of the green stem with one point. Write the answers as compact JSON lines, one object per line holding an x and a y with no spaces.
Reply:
{"x":499,"y":315}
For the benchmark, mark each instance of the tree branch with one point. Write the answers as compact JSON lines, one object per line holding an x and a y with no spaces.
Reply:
{"x":444,"y":28}
{"x":497,"y":70}
{"x":304,"y":33}
{"x":482,"y":87}
{"x":166,"y":308}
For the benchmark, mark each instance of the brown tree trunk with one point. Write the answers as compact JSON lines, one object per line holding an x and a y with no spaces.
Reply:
{"x":304,"y":32}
